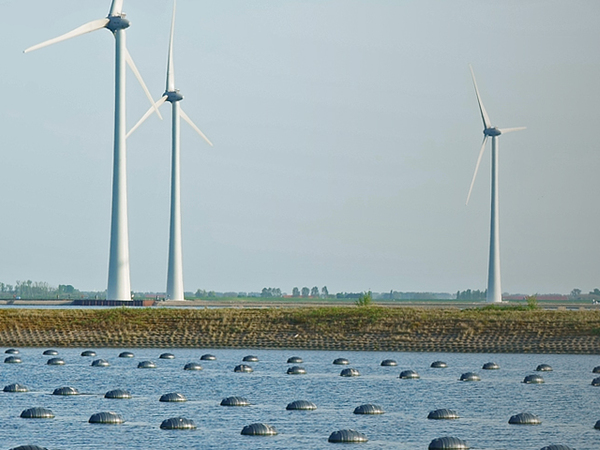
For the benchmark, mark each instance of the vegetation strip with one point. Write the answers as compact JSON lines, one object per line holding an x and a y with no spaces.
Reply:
{"x":369,"y":328}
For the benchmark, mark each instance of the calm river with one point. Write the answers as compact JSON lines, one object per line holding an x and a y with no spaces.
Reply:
{"x":566,"y":403}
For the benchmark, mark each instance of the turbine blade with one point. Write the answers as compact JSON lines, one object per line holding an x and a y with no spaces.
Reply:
{"x":477,"y":167}
{"x":116,"y":8}
{"x":185,"y":117}
{"x":152,"y":109}
{"x":510,"y":130}
{"x":137,"y":74}
{"x":170,"y":67}
{"x":83,"y":29}
{"x":484,"y":114}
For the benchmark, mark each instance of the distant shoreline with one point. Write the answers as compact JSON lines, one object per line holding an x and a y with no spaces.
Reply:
{"x":309,"y":328}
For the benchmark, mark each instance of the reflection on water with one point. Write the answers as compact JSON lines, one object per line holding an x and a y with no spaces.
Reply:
{"x":566,"y":403}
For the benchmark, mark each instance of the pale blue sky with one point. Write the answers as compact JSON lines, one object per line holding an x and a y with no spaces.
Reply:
{"x":345,"y":132}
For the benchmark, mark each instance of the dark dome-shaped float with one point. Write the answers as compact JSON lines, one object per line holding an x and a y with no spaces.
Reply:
{"x":37,"y":413}
{"x":29,"y":447}
{"x":296,"y":370}
{"x":192,"y":366}
{"x":12,"y":360}
{"x":172,"y":397}
{"x":178,"y":423}
{"x":368,"y":409}
{"x":409,"y":375}
{"x":533,"y":379}
{"x":439,"y":365}
{"x":389,"y":363}
{"x":235,"y":401}
{"x":259,"y":429}
{"x":126,"y":355}
{"x":16,"y":387}
{"x":443,"y":414}
{"x":208,"y":357}
{"x":108,"y":417}
{"x":243,"y":368}
{"x":491,"y":366}
{"x":118,"y":394}
{"x":349,"y":373}
{"x":524,"y":419}
{"x":448,"y":443}
{"x":301,"y":405}
{"x":250,"y":358}
{"x":56,"y":362}
{"x":146,"y":365}
{"x":557,"y":447}
{"x":295,"y":360}
{"x":341,"y":361}
{"x":166,"y":356}
{"x":347,"y":436}
{"x":50,"y":352}
{"x":100,"y":363}
{"x":543,"y":368}
{"x":470,"y":376}
{"x":88,"y":353}
{"x":66,"y":390}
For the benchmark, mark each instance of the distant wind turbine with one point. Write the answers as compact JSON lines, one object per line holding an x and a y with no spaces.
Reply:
{"x":494,"y":291}
{"x":119,"y":286}
{"x":172,"y":95}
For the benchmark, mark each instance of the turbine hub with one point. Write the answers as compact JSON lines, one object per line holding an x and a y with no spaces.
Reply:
{"x":173,"y":96}
{"x":117,"y":23}
{"x":492,"y":131}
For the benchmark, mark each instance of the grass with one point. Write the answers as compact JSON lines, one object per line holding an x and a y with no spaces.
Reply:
{"x":491,"y":328}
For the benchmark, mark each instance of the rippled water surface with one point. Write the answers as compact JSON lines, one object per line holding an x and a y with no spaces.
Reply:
{"x":567,"y":403}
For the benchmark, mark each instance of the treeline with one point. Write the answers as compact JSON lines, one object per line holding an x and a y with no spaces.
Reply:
{"x":36,"y":290}
{"x":471,"y":295}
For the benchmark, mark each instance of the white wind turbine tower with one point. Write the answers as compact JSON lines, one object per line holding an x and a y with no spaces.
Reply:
{"x":119,"y":287}
{"x":494,"y":291}
{"x":172,"y":95}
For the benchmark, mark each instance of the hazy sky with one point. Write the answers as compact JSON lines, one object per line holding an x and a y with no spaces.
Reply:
{"x":346,"y":135}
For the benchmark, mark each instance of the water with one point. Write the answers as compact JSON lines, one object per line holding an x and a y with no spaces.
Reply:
{"x":567,"y":404}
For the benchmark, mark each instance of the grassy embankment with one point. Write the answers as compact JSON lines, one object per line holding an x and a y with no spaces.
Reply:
{"x":330,"y":328}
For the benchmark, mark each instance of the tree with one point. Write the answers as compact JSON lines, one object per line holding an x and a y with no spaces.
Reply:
{"x":324,"y":292}
{"x":594,"y":292}
{"x":295,"y":292}
{"x":314,"y":292}
{"x":266,"y":292}
{"x":575,"y":293}
{"x":305,"y":291}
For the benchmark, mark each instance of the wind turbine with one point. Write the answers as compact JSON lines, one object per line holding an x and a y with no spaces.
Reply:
{"x":173,"y":96}
{"x":119,"y":287}
{"x":494,"y":291}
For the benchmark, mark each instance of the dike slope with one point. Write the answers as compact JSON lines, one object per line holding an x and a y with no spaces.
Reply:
{"x":330,"y":328}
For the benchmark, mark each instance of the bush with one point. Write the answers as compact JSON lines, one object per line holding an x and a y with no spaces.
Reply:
{"x":366,"y":299}
{"x":532,"y":302}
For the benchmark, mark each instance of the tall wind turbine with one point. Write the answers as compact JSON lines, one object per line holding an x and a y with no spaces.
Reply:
{"x":172,"y":95}
{"x":494,"y":291}
{"x":119,"y":287}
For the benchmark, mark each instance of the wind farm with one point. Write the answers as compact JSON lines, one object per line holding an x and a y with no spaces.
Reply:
{"x":336,"y":165}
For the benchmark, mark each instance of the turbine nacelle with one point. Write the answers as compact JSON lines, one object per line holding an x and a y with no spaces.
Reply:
{"x":493,"y":131}
{"x":173,"y":96}
{"x":117,"y":22}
